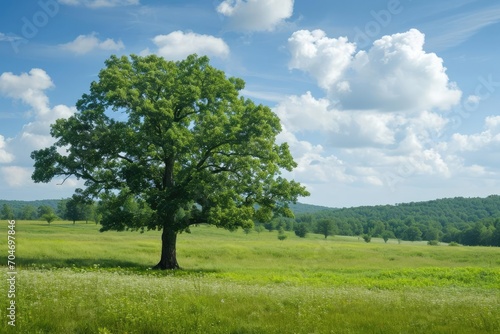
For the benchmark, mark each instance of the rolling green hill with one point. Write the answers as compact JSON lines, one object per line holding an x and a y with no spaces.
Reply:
{"x":300,"y":208}
{"x":25,"y":209}
{"x":470,"y":221}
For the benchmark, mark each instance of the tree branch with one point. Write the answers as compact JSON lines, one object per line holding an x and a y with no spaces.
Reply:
{"x":125,"y":158}
{"x":67,"y":177}
{"x":209,"y":152}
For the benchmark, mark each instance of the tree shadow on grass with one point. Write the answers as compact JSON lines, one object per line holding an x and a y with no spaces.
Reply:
{"x":108,"y":265}
{"x":78,"y":263}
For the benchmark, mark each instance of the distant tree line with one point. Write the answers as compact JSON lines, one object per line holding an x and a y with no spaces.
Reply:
{"x":468,"y":221}
{"x":72,"y":209}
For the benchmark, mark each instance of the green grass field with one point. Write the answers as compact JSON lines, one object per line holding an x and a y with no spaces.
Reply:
{"x":73,"y":279}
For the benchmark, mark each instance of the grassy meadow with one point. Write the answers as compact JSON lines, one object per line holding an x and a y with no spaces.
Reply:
{"x":74,"y":279}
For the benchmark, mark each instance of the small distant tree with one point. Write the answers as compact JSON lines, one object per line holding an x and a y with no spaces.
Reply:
{"x":96,"y":214}
{"x":325,"y":227}
{"x":259,"y":228}
{"x":49,"y":217}
{"x":301,"y":230}
{"x":73,"y":210}
{"x":367,"y":238}
{"x":44,"y":210}
{"x":78,"y":208}
{"x":281,"y":234}
{"x":280,"y":223}
{"x":87,"y":212}
{"x":247,"y":230}
{"x":386,"y":235}
{"x":270,"y":225}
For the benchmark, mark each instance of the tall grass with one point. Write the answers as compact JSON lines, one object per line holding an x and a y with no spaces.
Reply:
{"x":73,"y":279}
{"x":63,"y":244}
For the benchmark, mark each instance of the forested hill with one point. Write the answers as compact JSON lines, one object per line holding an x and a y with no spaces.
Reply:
{"x":469,"y":221}
{"x":18,"y":206}
{"x":300,"y":208}
{"x":444,"y":211}
{"x":464,"y":220}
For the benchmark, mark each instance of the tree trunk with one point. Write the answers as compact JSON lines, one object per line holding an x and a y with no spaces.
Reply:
{"x":168,"y":258}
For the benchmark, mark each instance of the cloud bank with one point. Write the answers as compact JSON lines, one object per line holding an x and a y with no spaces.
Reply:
{"x":385,"y":117}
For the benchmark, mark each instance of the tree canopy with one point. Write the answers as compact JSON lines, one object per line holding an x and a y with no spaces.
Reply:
{"x":165,"y":145}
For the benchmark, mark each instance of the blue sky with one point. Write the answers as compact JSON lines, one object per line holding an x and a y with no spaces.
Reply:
{"x":382,"y":102}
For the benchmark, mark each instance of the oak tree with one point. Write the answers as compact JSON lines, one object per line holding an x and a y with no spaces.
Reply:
{"x":164,"y":145}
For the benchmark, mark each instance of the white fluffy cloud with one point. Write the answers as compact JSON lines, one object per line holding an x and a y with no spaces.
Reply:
{"x":178,"y":45}
{"x":489,"y":137}
{"x":312,"y":164}
{"x":28,"y":87}
{"x":394,"y":74}
{"x":16,"y":176}
{"x":383,"y":118}
{"x":305,"y":113}
{"x":256,"y":15}
{"x":87,"y":43}
{"x":356,"y":128}
{"x":369,"y":148}
{"x":99,"y":3}
{"x":325,"y":59}
{"x":402,"y":76}
{"x":35,"y":134}
{"x":5,"y":157}
{"x":15,"y":152}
